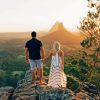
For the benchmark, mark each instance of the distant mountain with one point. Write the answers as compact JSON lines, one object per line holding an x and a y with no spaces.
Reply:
{"x":20,"y":35}
{"x":58,"y":26}
{"x":15,"y":35}
{"x":59,"y":33}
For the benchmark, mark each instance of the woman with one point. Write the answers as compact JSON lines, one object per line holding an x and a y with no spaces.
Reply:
{"x":57,"y":78}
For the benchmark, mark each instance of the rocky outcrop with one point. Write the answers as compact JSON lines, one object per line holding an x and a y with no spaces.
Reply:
{"x":30,"y":92}
{"x":26,"y":91}
{"x":6,"y":93}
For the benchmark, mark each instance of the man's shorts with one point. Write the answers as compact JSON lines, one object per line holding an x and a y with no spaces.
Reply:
{"x":36,"y":63}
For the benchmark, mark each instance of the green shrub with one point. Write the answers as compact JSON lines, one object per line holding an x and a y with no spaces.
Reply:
{"x":2,"y":76}
{"x":46,"y":70}
{"x":74,"y":62}
{"x":73,"y":71}
{"x":95,"y":79}
{"x":72,"y":83}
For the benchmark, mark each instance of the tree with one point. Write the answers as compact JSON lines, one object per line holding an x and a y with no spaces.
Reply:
{"x":90,"y":27}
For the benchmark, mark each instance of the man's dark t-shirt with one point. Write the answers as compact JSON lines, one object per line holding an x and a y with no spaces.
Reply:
{"x":33,"y":46}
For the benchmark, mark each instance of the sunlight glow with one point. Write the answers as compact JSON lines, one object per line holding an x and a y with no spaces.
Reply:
{"x":28,"y":15}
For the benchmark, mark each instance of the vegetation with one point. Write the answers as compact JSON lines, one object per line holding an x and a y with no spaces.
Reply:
{"x":77,"y":68}
{"x":12,"y":64}
{"x":81,"y":67}
{"x":90,"y":27}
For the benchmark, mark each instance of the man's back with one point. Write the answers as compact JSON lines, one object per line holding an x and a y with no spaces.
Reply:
{"x":33,"y":46}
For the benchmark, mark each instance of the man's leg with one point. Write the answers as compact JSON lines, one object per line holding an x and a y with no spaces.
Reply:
{"x":42,"y":81}
{"x":40,"y":65}
{"x":41,"y":74}
{"x":33,"y":69}
{"x":33,"y":75}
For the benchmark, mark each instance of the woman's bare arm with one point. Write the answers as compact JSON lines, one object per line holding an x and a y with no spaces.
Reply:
{"x":49,"y":55}
{"x":62,"y":57}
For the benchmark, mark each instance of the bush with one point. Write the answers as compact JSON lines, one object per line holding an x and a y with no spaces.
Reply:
{"x":95,"y":79}
{"x":46,"y":70}
{"x":73,"y":71}
{"x":72,"y":83}
{"x":21,"y":74}
{"x":2,"y":76}
{"x":83,"y":67}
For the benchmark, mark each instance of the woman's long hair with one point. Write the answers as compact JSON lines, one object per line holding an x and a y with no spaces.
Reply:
{"x":56,"y":46}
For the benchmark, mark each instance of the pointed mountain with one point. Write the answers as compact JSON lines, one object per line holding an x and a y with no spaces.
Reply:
{"x":58,"y":26}
{"x":59,"y":33}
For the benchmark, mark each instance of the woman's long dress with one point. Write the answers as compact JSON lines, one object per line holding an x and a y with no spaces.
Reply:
{"x":57,"y":78}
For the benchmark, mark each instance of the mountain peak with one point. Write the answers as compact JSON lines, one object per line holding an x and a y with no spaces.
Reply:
{"x":59,"y":33}
{"x":57,"y":26}
{"x":58,"y":23}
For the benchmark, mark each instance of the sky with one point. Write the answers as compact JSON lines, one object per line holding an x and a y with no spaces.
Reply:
{"x":39,"y":15}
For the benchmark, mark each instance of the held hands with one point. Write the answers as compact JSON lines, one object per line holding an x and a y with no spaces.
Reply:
{"x":27,"y":61}
{"x":44,"y":59}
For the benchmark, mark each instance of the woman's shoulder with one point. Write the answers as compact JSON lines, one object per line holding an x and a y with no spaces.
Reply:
{"x":60,"y":52}
{"x":51,"y":51}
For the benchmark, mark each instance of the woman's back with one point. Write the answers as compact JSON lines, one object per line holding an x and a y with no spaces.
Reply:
{"x":56,"y":58}
{"x":59,"y":52}
{"x":57,"y":77}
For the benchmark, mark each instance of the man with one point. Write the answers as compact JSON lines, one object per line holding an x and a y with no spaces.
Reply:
{"x":34,"y":52}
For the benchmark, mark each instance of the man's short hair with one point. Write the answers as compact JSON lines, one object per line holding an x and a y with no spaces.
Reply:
{"x":33,"y":34}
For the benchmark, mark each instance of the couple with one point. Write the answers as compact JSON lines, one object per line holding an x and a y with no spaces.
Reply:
{"x":35,"y":53}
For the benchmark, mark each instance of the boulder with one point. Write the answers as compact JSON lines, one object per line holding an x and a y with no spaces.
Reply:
{"x":6,"y":93}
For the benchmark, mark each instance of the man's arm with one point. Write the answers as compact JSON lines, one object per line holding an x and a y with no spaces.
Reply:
{"x":42,"y":52}
{"x":26,"y":54}
{"x":49,"y":55}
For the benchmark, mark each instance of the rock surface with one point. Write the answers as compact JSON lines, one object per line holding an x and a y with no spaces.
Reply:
{"x":6,"y":93}
{"x":27,"y":91}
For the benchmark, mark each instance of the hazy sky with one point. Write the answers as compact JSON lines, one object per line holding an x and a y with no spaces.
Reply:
{"x":28,"y":15}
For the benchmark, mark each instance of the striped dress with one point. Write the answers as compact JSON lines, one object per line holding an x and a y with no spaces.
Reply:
{"x":57,"y":78}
